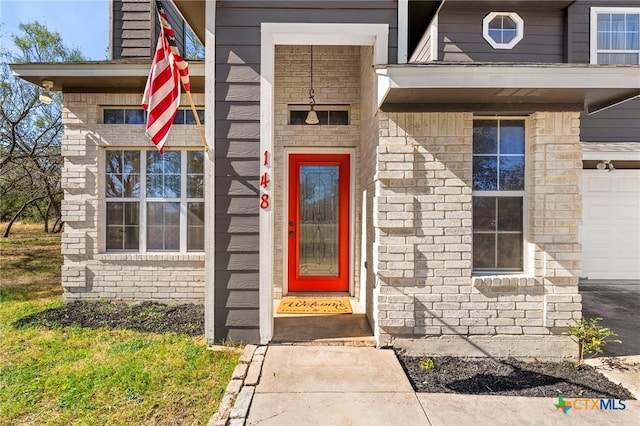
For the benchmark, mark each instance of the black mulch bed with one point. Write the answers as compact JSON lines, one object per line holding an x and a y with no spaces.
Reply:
{"x":509,"y":377}
{"x":148,"y":316}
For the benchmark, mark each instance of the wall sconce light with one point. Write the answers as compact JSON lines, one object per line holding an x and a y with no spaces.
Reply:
{"x":605,"y":164}
{"x":312,"y":116}
{"x":45,"y":97}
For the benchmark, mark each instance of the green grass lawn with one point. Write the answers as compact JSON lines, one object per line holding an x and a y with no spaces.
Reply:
{"x":76,"y":375}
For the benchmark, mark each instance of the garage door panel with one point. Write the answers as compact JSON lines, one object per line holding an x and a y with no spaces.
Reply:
{"x":595,"y":237}
{"x":623,"y":240}
{"x":595,"y":264}
{"x":597,"y":183}
{"x":610,"y":232}
{"x":598,"y":211}
{"x":627,"y":185}
{"x":628,"y":265}
{"x":628,"y":211}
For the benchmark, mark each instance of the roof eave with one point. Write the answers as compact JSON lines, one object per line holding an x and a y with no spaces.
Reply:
{"x":505,"y":87}
{"x":98,"y":76}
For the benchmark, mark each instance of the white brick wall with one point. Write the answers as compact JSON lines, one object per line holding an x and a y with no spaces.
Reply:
{"x":336,"y":80}
{"x":424,"y":231}
{"x":87,"y":272}
{"x":415,"y":170}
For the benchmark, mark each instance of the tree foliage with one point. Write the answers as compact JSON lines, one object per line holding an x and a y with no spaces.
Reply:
{"x":31,"y":132}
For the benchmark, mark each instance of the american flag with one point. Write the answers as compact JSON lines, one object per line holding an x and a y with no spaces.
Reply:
{"x":161,"y":97}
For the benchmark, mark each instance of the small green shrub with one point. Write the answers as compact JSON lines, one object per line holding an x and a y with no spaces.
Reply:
{"x":591,"y":336}
{"x":427,"y":365}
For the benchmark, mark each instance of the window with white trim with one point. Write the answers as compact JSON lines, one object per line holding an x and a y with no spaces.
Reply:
{"x":503,"y":30}
{"x":498,"y":195}
{"x":154,"y":202}
{"x":331,"y":115}
{"x":111,"y":115}
{"x":615,"y":36}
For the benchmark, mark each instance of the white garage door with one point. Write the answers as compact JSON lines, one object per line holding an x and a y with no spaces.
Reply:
{"x":610,"y":232}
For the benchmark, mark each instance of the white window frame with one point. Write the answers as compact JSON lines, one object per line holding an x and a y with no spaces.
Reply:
{"x":142,"y":201}
{"x":524,"y":194}
{"x":519,"y":29}
{"x":320,"y":107}
{"x":593,"y":30}
{"x":129,"y":108}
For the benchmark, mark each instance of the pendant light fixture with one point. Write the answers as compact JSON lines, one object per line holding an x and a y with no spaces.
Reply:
{"x":312,"y":116}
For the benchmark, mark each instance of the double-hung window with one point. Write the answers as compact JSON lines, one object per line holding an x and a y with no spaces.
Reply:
{"x":498,"y":195}
{"x":615,"y":35}
{"x":154,"y":202}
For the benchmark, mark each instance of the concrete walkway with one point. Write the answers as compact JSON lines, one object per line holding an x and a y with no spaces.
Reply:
{"x":343,"y":385}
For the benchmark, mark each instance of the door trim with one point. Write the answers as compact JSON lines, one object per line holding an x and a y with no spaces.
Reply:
{"x":272,"y":34}
{"x":352,"y":224}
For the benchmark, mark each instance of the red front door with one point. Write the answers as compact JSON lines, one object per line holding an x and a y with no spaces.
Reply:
{"x":318,"y":223}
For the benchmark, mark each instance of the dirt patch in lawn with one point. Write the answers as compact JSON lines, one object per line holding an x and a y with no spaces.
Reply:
{"x":147,"y":317}
{"x":508,"y":377}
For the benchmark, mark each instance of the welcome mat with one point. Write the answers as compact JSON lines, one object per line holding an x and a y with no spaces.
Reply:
{"x":314,"y":305}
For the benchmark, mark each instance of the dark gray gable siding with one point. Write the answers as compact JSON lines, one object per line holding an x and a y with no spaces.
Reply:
{"x":421,"y":12}
{"x":617,"y":124}
{"x":579,"y":15}
{"x":175,"y":20}
{"x":460,"y":34}
{"x":131,"y":32}
{"x":238,"y":142}
{"x":135,"y":28}
{"x":423,"y":51}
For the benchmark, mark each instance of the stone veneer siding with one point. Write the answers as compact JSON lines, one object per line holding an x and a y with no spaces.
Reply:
{"x":336,"y":80}
{"x":423,"y":240}
{"x":88,"y":272}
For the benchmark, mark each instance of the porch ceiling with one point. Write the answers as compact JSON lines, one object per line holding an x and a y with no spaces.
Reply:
{"x":505,"y":88}
{"x":99,"y":76}
{"x":194,"y":13}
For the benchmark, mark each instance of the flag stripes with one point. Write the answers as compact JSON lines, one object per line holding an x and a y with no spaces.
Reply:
{"x":161,"y":97}
{"x":183,"y":67}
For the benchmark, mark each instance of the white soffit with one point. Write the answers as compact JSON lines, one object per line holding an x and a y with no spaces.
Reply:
{"x":587,"y":86}
{"x":98,"y":76}
{"x":621,"y":151}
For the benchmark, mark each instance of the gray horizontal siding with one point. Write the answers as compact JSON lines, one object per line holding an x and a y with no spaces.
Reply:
{"x":297,"y":6}
{"x":175,"y":20}
{"x":239,"y":280}
{"x":579,"y":16}
{"x":421,"y":12}
{"x":460,"y":36}
{"x":135,"y":28}
{"x":131,"y":34}
{"x":618,"y":124}
{"x":578,"y":33}
{"x":235,"y":149}
{"x":237,"y":96}
{"x":423,"y":52}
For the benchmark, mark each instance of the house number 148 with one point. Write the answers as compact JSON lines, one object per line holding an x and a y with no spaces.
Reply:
{"x":264,"y":183}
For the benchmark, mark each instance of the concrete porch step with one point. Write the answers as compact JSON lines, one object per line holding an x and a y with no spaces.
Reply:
{"x":329,"y":330}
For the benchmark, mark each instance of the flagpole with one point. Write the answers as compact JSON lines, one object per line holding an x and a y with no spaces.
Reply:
{"x":197,"y":117}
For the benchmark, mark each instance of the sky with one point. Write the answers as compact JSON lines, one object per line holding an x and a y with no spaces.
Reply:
{"x":82,"y":24}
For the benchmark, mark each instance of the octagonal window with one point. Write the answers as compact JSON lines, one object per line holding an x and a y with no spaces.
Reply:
{"x":503,"y":30}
